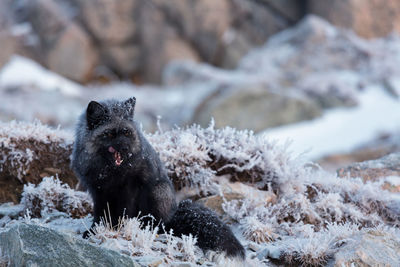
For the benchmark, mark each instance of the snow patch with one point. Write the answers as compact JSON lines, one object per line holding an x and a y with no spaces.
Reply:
{"x":21,"y":71}
{"x":343,"y":129}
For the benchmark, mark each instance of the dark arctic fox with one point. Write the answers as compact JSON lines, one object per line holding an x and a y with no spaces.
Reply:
{"x":125,"y":177}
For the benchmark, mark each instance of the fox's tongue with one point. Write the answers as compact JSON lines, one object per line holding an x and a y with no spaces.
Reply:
{"x":117,"y":156}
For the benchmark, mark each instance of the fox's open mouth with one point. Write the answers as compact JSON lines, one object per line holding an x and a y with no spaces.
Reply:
{"x":117,"y":156}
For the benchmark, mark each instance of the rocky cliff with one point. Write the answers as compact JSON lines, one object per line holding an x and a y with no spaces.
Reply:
{"x":101,"y":40}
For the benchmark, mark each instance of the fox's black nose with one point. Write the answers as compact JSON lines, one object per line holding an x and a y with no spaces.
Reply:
{"x":124,"y":150}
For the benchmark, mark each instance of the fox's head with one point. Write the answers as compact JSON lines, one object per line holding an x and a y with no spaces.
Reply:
{"x":112,"y":130}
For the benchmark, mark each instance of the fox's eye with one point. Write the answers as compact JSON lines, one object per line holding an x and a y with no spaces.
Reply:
{"x":108,"y":134}
{"x":126,"y":132}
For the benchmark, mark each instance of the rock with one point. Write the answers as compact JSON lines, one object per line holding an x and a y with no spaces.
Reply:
{"x":324,"y":66}
{"x":11,"y":210}
{"x":313,"y":46}
{"x":136,"y":39}
{"x":175,"y":48}
{"x":254,"y":107}
{"x":253,"y":22}
{"x":64,"y":46}
{"x":73,"y":55}
{"x":291,"y":10}
{"x":373,"y":169}
{"x":201,"y":23}
{"x":215,"y":202}
{"x":150,"y":261}
{"x":378,"y":148}
{"x":369,"y":19}
{"x":110,"y":22}
{"x":33,"y":245}
{"x":124,"y":58}
{"x":327,"y":88}
{"x":7,"y":40}
{"x":236,"y":191}
{"x":8,"y":44}
{"x":373,"y":248}
{"x":218,"y":32}
{"x":161,"y":43}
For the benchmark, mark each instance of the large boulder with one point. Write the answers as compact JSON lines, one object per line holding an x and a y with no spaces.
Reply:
{"x":296,"y":73}
{"x":63,"y":46}
{"x":369,"y":19}
{"x":72,"y":55}
{"x":255,"y":107}
{"x":110,"y":22}
{"x":201,"y":22}
{"x":160,"y":43}
{"x":7,"y":40}
{"x":33,"y":245}
{"x":8,"y":44}
{"x":291,"y":10}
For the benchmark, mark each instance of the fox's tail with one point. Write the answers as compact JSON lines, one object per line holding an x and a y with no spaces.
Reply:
{"x":211,"y":233}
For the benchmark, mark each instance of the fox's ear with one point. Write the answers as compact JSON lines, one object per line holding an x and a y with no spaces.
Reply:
{"x":95,"y":114}
{"x":130,"y":106}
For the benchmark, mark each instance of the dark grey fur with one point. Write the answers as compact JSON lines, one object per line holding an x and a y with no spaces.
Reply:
{"x":140,"y":183}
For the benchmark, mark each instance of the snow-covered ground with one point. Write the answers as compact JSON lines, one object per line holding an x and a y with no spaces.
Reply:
{"x":341,"y":130}
{"x":20,"y":72}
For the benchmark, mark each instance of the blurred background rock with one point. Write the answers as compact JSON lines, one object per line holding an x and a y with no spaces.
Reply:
{"x":249,"y":64}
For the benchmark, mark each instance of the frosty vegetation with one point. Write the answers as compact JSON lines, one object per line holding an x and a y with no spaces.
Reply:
{"x":312,"y":214}
{"x":51,"y":195}
{"x":22,"y":145}
{"x":136,"y":238}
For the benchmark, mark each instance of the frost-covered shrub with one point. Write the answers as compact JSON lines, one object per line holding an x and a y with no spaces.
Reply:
{"x":51,"y":195}
{"x":314,"y":213}
{"x":30,"y":151}
{"x":255,"y":230}
{"x":19,"y":140}
{"x":185,"y":155}
{"x":311,"y":248}
{"x":194,"y":155}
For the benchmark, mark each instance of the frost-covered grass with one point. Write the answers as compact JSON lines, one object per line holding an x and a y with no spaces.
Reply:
{"x":313,"y":209}
{"x":17,"y":130}
{"x":194,"y":155}
{"x":312,"y":215}
{"x":139,"y":237}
